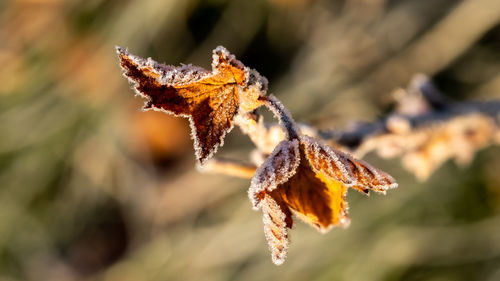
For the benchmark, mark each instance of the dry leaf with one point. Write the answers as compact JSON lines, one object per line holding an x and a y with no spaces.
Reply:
{"x":311,"y":179}
{"x":276,"y":218}
{"x":210,"y":100}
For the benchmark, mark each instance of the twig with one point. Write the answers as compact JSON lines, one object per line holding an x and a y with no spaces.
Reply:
{"x":424,"y":130}
{"x":229,"y":167}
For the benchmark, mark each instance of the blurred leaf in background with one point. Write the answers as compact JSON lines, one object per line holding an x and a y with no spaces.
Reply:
{"x":92,"y":189}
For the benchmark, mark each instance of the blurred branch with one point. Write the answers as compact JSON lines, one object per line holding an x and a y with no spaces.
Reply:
{"x":365,"y":62}
{"x":229,"y":167}
{"x":425,"y":129}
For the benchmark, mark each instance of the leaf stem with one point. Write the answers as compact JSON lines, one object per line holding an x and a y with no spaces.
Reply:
{"x":283,"y":115}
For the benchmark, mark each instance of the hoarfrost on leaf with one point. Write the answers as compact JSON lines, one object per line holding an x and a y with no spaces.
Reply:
{"x":210,"y":100}
{"x":277,"y":169}
{"x":275,"y":228}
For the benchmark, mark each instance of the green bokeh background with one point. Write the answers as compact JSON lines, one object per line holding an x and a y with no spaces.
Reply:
{"x":92,"y":189}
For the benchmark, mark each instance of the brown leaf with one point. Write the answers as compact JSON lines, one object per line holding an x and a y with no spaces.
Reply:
{"x":276,"y":219}
{"x":311,"y":179}
{"x":314,"y":197}
{"x":210,"y":100}
{"x":277,"y":169}
{"x":344,"y":168}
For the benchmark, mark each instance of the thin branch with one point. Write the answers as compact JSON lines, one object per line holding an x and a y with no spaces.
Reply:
{"x":425,"y":129}
{"x":229,"y":167}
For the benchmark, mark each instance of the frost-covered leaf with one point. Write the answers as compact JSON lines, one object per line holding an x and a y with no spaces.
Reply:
{"x":276,"y":219}
{"x":314,"y":197}
{"x":277,"y":169}
{"x":209,"y":99}
{"x":310,"y":179}
{"x":342,"y":167}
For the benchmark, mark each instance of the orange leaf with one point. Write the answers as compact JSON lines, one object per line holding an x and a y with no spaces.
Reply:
{"x":315,"y":198}
{"x":311,"y":179}
{"x":342,"y":167}
{"x":276,"y":217}
{"x":210,"y":100}
{"x":278,"y":168}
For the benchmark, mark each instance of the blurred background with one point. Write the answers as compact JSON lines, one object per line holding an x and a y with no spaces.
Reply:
{"x":93,"y":189}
